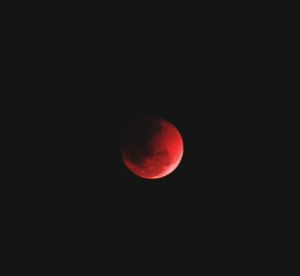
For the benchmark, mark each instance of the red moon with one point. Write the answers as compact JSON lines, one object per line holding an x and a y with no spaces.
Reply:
{"x":152,"y":148}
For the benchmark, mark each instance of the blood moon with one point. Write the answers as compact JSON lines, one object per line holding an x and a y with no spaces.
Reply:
{"x":152,"y":147}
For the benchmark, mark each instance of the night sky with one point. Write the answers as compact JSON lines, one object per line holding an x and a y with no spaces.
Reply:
{"x":228,"y":84}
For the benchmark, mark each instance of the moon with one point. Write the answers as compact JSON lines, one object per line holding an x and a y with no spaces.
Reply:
{"x":152,"y":148}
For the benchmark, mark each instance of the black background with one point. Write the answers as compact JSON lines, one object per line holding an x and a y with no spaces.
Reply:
{"x":228,"y":83}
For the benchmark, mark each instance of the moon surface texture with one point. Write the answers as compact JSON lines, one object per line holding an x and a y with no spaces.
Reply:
{"x":152,"y":148}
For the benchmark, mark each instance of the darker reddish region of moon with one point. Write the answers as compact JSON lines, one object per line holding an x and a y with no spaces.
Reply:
{"x":152,"y":148}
